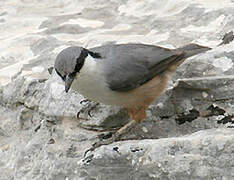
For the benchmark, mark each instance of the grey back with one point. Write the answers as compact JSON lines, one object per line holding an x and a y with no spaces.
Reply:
{"x":128,"y":66}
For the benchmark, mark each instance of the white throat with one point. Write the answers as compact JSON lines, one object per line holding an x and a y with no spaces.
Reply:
{"x":90,"y":64}
{"x":90,"y":81}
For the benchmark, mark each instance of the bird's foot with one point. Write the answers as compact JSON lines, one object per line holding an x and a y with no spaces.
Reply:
{"x":85,"y":101}
{"x":114,"y":137}
{"x":88,"y":106}
{"x":110,"y":138}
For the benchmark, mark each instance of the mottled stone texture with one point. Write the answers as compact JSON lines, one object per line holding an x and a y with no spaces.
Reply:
{"x":188,"y":133}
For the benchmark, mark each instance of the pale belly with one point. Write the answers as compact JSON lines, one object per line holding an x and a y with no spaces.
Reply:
{"x":97,"y":90}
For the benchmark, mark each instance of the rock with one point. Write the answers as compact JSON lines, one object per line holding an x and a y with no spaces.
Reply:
{"x":187,"y":133}
{"x":201,"y":155}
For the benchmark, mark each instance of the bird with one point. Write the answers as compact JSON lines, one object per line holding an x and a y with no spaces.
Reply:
{"x":130,"y":75}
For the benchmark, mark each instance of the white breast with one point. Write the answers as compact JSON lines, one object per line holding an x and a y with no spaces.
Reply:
{"x":90,"y":82}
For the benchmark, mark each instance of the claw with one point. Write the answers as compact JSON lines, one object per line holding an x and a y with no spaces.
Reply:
{"x":90,"y":149}
{"x":115,"y":137}
{"x":88,"y":158}
{"x":105,"y":136}
{"x":99,"y":144}
{"x":78,"y":115}
{"x":89,"y":108}
{"x":89,"y":113}
{"x":87,"y":152}
{"x":84,"y":101}
{"x":93,"y":107}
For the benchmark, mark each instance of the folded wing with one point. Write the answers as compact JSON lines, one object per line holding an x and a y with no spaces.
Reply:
{"x":128,"y":66}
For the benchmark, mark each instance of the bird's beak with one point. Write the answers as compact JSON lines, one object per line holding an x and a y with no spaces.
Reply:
{"x":68,"y":81}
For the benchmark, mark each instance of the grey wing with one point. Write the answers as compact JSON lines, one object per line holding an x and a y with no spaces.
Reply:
{"x":128,"y":66}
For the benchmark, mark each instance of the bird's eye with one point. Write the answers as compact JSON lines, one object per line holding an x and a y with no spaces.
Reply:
{"x":72,"y":75}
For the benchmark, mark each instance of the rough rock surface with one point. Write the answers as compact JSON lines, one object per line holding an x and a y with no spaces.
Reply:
{"x":188,"y":133}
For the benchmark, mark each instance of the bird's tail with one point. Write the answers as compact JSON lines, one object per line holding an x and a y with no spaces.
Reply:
{"x":193,"y":49}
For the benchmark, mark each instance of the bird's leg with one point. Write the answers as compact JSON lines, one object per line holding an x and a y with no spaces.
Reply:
{"x":136,"y":114}
{"x":185,"y":85}
{"x":115,"y":137}
{"x":87,"y":108}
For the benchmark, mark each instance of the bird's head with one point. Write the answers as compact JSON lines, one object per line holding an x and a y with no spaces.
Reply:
{"x":69,"y":62}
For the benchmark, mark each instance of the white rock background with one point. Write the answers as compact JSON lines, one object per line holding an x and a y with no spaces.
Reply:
{"x":40,"y":138}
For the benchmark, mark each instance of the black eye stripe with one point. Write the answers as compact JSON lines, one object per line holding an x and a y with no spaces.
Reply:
{"x":72,"y":75}
{"x":80,"y":60}
{"x":95,"y":55}
{"x":63,"y":77}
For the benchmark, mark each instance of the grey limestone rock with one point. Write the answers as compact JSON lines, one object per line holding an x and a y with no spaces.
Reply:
{"x":188,"y":133}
